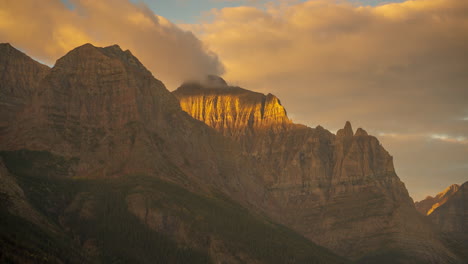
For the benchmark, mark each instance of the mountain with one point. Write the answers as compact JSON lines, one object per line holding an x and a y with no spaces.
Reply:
{"x":340,"y":191}
{"x":19,"y":77}
{"x":103,"y":110}
{"x":449,"y":212}
{"x":101,"y":165}
{"x":429,"y":204}
{"x":452,"y":215}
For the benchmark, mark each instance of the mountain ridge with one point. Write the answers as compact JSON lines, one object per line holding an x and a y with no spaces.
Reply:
{"x":320,"y":183}
{"x":103,"y":147}
{"x":429,"y":204}
{"x":105,"y":153}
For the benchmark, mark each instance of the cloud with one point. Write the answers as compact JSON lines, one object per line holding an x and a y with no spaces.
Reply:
{"x":356,"y":58}
{"x":48,"y":29}
{"x":399,"y":67}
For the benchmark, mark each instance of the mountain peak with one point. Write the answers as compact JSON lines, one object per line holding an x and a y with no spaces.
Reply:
{"x":215,"y":81}
{"x":429,"y":204}
{"x":449,"y":190}
{"x":88,"y":55}
{"x":5,"y":45}
{"x":115,"y":47}
{"x":361,"y":132}
{"x":232,"y":110}
{"x":347,"y":131}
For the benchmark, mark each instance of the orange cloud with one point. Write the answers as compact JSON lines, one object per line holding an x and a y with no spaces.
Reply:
{"x":48,"y":29}
{"x":359,"y":60}
{"x":399,"y":67}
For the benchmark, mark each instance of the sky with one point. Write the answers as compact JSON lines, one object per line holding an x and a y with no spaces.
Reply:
{"x":397,"y":69}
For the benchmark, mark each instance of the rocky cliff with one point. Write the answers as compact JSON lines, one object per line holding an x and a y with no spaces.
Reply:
{"x":340,"y":191}
{"x":19,"y":76}
{"x":234,"y":111}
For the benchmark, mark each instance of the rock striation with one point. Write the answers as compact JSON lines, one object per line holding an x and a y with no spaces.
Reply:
{"x":19,"y":76}
{"x":234,"y":111}
{"x":341,"y":191}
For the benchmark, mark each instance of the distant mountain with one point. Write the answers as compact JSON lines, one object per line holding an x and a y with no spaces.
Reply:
{"x":101,"y":165}
{"x":340,"y":191}
{"x":428,"y":205}
{"x":449,"y":212}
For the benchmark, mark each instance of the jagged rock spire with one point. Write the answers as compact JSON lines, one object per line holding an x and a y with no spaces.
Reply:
{"x":347,"y":131}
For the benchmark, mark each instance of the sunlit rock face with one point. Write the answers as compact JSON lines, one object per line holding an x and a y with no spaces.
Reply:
{"x":19,"y":76}
{"x":428,"y":205}
{"x":448,"y":211}
{"x":340,"y":191}
{"x":234,"y":111}
{"x":451,"y":215}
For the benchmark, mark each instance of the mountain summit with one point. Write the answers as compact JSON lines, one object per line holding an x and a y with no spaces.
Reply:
{"x":232,"y":110}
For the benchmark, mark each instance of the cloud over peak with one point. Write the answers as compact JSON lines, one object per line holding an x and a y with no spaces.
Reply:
{"x":48,"y":29}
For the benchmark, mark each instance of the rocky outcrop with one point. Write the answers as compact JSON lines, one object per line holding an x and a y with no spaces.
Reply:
{"x":341,"y":191}
{"x":19,"y":76}
{"x":429,"y":204}
{"x":234,"y":111}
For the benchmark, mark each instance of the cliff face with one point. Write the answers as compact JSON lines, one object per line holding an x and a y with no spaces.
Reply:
{"x":340,"y":191}
{"x":19,"y":76}
{"x":234,"y":111}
